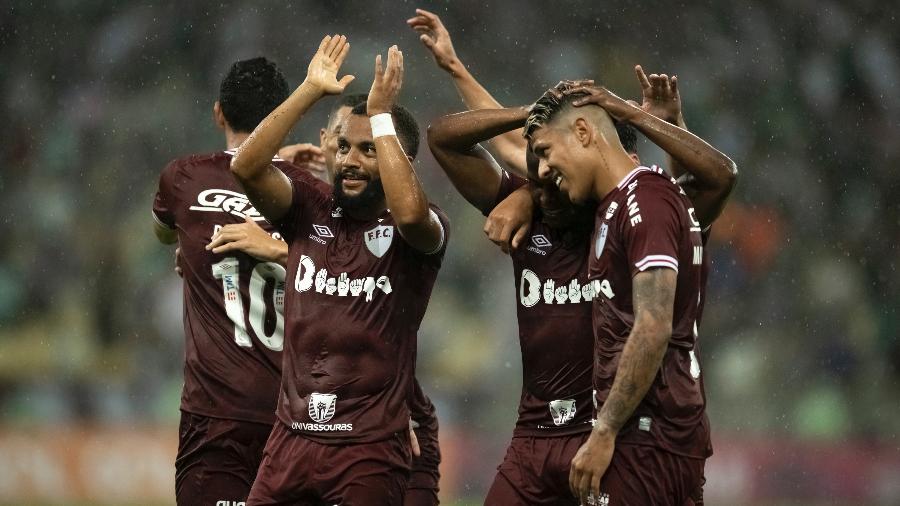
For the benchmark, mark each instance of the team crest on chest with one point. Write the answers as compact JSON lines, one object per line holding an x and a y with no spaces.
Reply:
{"x":379,"y":239}
{"x":321,"y":406}
{"x":601,"y":239}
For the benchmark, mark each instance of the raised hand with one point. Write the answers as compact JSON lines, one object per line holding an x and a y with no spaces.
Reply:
{"x":435,"y":37}
{"x":307,"y":156}
{"x":387,"y":83}
{"x":660,"y":97}
{"x":324,"y":66}
{"x":598,"y":95}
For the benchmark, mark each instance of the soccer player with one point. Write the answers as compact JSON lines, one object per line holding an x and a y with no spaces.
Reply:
{"x":232,"y":302}
{"x":362,"y":262}
{"x":651,"y":436}
{"x":424,"y":479}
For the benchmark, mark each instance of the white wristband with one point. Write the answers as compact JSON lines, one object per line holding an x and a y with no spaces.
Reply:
{"x":382,"y":124}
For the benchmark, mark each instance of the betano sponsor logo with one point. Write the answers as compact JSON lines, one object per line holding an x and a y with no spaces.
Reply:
{"x":532,"y":289}
{"x":226,"y":201}
{"x":342,"y":286}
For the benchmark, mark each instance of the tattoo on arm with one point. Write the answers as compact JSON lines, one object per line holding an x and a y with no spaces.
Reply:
{"x":654,"y":298}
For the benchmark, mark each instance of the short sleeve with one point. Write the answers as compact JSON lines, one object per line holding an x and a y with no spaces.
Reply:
{"x":508,"y":184}
{"x":651,"y":225}
{"x":164,"y":203}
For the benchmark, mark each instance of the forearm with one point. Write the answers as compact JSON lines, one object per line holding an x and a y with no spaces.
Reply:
{"x":461,"y":132}
{"x":710,"y":167}
{"x":255,"y":154}
{"x":509,"y":144}
{"x":676,"y":169}
{"x":402,"y":191}
{"x":640,"y":360}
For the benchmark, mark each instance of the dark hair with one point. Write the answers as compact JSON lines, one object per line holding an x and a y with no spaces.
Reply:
{"x":404,"y":123}
{"x":549,"y":105}
{"x":350,"y":101}
{"x":252,"y":89}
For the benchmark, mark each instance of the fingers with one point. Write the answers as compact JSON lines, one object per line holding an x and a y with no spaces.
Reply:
{"x":228,"y":233}
{"x":584,"y":488}
{"x":673,"y":84}
{"x":346,"y":80}
{"x":520,"y":235}
{"x":595,"y":487}
{"x":414,"y":443}
{"x":342,"y":53}
{"x":333,"y":45}
{"x":427,"y":40}
{"x":642,"y":77}
{"x":574,"y":477}
{"x":322,"y":45}
{"x":379,"y":70}
{"x":178,"y":260}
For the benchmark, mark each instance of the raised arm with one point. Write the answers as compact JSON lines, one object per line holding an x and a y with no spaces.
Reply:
{"x":509,"y":145}
{"x":713,"y":173}
{"x":454,"y":139}
{"x":653,"y":296}
{"x":419,"y":226}
{"x":708,"y":184}
{"x":266,"y":186}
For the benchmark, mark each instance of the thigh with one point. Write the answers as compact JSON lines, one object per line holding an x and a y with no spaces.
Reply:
{"x":284,"y":476}
{"x":217,"y":460}
{"x":365,"y":474}
{"x":529,"y":474}
{"x":640,"y":475}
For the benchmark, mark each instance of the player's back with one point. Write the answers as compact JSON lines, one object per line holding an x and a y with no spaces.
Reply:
{"x":233,"y":303}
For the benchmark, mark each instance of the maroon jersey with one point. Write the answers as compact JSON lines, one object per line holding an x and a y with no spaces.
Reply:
{"x":233,"y":323}
{"x":648,"y":222}
{"x":555,"y":334}
{"x":356,"y":295}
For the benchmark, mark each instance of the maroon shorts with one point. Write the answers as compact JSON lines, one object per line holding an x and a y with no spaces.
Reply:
{"x":535,"y":471}
{"x":297,"y":471}
{"x":640,"y":475}
{"x":422,"y":489}
{"x":217,"y":459}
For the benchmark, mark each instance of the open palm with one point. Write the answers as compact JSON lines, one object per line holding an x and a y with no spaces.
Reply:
{"x":324,"y":66}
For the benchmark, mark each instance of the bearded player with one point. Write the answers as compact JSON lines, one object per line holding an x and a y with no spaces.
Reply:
{"x":362,"y":262}
{"x":233,"y":321}
{"x":423,"y":486}
{"x":646,"y":260}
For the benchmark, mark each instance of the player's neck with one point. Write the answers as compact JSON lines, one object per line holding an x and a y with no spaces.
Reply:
{"x":618,"y":166}
{"x":233,"y":140}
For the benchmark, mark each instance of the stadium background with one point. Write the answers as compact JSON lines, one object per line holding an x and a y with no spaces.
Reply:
{"x":800,"y":347}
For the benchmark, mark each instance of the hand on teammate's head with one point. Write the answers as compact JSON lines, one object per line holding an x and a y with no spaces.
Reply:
{"x":387,"y":83}
{"x":324,"y":66}
{"x":660,"y":96}
{"x":435,"y":37}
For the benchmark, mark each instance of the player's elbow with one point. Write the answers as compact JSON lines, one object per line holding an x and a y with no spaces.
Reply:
{"x":411,"y":218}
{"x":241,"y":167}
{"x":656,"y":330}
{"x":436,"y":133}
{"x":730,"y":172}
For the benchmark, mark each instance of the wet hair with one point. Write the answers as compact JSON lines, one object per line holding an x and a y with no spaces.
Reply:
{"x":548,"y":106}
{"x":350,"y":101}
{"x":250,"y":91}
{"x":404,"y":123}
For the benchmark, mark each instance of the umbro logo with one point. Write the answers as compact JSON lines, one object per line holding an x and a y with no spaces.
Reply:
{"x":540,"y":241}
{"x":323,"y":231}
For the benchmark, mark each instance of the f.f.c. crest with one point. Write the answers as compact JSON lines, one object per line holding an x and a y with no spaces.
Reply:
{"x":562,"y":411}
{"x":379,"y":239}
{"x":321,"y":406}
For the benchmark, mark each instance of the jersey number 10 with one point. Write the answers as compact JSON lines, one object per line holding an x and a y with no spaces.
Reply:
{"x":228,"y":271}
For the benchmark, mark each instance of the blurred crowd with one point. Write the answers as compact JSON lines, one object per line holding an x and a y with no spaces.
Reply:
{"x":799,"y":339}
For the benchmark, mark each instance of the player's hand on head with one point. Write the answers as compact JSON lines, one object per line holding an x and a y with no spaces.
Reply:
{"x":659,"y":95}
{"x":509,"y":222}
{"x":435,"y":37}
{"x":598,"y":95}
{"x":387,"y":83}
{"x":557,"y":91}
{"x":247,"y":237}
{"x":324,"y":66}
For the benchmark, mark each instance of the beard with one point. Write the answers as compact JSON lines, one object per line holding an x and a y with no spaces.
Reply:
{"x":371,"y":196}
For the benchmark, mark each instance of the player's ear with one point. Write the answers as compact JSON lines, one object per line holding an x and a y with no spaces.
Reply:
{"x":322,"y":135}
{"x":218,"y":115}
{"x":584,"y":134}
{"x":635,"y":158}
{"x":411,"y":160}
